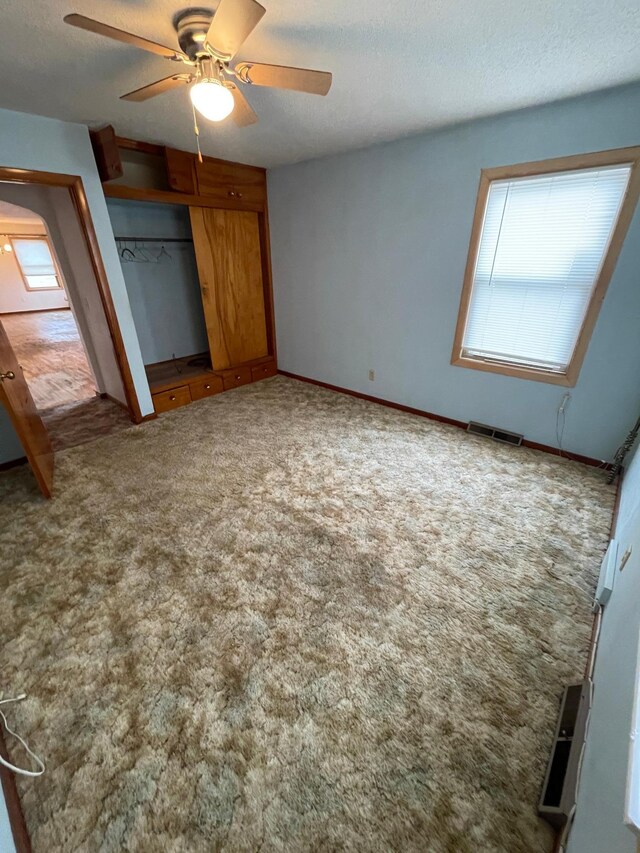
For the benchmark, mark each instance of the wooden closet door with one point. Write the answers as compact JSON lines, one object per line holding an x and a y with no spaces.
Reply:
{"x":227,"y":248}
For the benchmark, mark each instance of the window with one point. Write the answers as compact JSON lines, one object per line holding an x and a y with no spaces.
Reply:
{"x":36,"y":263}
{"x":544,"y":244}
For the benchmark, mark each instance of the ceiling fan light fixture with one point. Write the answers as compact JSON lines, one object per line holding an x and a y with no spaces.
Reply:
{"x":212,"y":100}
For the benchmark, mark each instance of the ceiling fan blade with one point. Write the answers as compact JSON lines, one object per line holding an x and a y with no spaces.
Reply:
{"x":122,"y":35}
{"x":243,"y":113}
{"x":157,"y":88}
{"x":282,"y":77}
{"x":231,"y":25}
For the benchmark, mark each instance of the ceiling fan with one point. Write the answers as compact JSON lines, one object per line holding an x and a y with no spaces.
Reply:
{"x":208,"y":42}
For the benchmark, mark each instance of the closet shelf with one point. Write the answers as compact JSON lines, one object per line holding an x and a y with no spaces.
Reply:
{"x":166,"y":374}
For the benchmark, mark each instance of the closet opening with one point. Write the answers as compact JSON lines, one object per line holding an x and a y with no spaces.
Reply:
{"x":156,"y":249}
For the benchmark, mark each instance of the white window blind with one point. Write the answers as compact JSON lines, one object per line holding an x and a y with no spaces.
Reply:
{"x":36,"y":262}
{"x":543,"y":241}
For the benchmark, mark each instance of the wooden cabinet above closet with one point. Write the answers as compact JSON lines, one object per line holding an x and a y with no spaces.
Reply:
{"x":232,"y":182}
{"x":181,"y":175}
{"x":229,"y":185}
{"x":227,"y":204}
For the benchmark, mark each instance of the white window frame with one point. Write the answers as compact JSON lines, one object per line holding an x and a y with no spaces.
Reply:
{"x":43,"y":238}
{"x":569,"y":377}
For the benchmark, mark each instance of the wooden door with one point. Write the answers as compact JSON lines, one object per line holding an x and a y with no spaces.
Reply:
{"x":17,"y":399}
{"x":227,"y":247}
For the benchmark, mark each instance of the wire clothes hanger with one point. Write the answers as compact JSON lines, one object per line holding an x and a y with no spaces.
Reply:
{"x":142,"y":255}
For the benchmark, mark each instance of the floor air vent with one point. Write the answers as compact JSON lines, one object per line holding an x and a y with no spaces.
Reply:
{"x":495,"y":433}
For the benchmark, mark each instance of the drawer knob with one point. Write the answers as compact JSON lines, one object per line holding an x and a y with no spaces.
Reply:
{"x":239,"y":195}
{"x":207,"y":387}
{"x":238,"y":377}
{"x":265,"y":369}
{"x":231,"y":193}
{"x":172,"y":397}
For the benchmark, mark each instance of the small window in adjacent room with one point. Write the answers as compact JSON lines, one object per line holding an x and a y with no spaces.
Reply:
{"x":36,"y":262}
{"x":545,"y":240}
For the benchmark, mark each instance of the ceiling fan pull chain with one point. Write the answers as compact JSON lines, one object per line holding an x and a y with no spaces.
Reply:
{"x":196,"y":130}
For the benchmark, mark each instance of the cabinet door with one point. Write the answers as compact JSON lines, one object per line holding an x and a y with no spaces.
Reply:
{"x":227,"y":247}
{"x":232,"y":184}
{"x":180,"y":170}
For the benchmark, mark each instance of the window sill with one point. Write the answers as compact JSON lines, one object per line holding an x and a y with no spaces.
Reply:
{"x":516,"y":372}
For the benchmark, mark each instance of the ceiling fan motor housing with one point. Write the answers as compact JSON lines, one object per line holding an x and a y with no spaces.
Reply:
{"x":192,"y":26}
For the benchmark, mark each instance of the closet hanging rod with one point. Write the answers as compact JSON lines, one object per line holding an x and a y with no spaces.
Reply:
{"x":154,"y":239}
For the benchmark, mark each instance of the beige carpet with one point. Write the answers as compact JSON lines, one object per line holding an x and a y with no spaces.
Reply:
{"x":283,"y":619}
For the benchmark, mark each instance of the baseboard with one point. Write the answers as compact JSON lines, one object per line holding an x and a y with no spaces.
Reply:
{"x":534,"y":445}
{"x":14,"y":809}
{"x":13,"y":463}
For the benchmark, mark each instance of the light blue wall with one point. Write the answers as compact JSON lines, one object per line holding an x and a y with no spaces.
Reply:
{"x":598,"y":825}
{"x":165,"y":297}
{"x":48,"y":145}
{"x":369,"y":250}
{"x":6,"y":835}
{"x":10,"y":447}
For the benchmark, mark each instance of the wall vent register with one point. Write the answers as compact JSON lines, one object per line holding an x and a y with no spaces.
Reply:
{"x":496,"y":433}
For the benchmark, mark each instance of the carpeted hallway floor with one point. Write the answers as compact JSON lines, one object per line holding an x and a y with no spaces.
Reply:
{"x":283,"y":619}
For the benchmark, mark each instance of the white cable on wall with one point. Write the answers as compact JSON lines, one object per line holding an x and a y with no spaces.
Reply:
{"x":7,"y":764}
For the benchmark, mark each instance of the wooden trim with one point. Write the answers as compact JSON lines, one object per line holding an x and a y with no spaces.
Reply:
{"x":23,"y":275}
{"x":16,"y":817}
{"x":136,"y":145}
{"x":174,"y":197}
{"x":258,"y":169}
{"x":265,"y":254}
{"x":13,"y":463}
{"x":75,"y":186}
{"x":570,"y":163}
{"x":540,"y":167}
{"x":29,"y":176}
{"x":24,"y":236}
{"x":567,"y":454}
{"x":532,"y":445}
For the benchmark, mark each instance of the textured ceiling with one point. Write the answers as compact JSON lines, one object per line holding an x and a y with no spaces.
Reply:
{"x":400,"y":66}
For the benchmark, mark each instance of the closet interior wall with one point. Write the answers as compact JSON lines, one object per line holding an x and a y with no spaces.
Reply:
{"x":159,"y":267}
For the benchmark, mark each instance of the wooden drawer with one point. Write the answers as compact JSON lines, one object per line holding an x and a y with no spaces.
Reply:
{"x":236,"y":377}
{"x":206,"y":387}
{"x":263,"y":371}
{"x":167,"y":400}
{"x":232,"y":183}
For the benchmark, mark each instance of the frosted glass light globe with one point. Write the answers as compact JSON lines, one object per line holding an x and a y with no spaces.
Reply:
{"x":212,"y":99}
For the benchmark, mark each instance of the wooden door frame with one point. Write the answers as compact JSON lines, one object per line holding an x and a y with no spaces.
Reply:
{"x":73,"y":183}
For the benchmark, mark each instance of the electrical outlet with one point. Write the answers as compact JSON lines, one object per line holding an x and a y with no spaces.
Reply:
{"x":566,"y":399}
{"x":372,"y":375}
